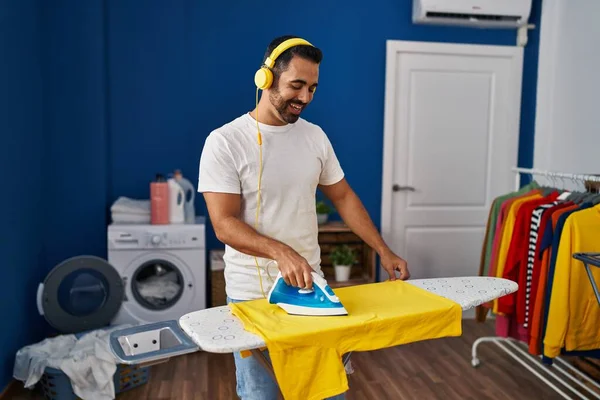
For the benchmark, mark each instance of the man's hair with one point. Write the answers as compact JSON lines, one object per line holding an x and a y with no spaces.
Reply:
{"x":281,"y":64}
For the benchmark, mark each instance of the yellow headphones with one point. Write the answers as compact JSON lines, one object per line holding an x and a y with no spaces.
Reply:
{"x":264,"y":76}
{"x":263,"y":80}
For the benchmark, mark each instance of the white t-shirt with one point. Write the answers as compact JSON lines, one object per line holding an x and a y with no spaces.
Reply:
{"x":296,"y":158}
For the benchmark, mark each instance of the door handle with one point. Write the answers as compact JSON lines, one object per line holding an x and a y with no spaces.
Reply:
{"x":398,"y":188}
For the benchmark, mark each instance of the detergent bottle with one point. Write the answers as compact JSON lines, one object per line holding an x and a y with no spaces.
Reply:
{"x":159,"y":201}
{"x":188,"y":189}
{"x":176,"y":202}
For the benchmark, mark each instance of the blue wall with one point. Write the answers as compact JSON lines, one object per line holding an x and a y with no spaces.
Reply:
{"x":178,"y":71}
{"x":76,"y":129}
{"x":99,"y":97}
{"x":21,"y":157}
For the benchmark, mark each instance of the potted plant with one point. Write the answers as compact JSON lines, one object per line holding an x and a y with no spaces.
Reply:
{"x":323,"y":211}
{"x":343,"y":258}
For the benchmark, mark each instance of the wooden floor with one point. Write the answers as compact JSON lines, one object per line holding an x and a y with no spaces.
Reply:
{"x":439,"y":369}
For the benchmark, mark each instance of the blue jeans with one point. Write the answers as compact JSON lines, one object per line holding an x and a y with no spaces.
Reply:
{"x":253,"y":381}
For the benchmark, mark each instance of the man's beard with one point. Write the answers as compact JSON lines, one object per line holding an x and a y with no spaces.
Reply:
{"x":283,"y":106}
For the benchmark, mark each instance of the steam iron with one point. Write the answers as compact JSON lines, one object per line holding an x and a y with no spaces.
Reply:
{"x":320,"y":300}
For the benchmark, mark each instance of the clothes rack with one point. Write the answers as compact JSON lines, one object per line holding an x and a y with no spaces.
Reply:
{"x":553,"y":174}
{"x":571,"y":380}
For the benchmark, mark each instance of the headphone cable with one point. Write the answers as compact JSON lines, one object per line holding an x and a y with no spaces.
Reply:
{"x":258,"y":197}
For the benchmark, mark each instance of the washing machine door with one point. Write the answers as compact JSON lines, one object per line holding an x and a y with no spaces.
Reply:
{"x":80,"y":294}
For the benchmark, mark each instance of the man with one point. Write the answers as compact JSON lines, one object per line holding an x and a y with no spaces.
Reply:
{"x":259,"y":174}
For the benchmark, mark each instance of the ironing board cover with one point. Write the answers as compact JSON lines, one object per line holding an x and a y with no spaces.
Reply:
{"x":216,"y":330}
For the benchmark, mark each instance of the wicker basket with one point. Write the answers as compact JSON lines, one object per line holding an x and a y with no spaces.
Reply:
{"x":56,"y":385}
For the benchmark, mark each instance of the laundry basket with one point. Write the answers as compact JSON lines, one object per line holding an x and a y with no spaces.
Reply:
{"x":56,"y":384}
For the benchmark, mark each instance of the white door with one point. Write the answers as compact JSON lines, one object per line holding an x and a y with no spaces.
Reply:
{"x":451,"y":139}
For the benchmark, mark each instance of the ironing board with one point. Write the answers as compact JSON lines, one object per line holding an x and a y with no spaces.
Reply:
{"x":217,"y":330}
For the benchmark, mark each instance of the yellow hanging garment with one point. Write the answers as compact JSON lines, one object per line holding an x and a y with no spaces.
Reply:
{"x":573,"y":316}
{"x":306,"y":352}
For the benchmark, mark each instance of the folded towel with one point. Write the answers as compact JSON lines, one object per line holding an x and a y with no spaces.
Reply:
{"x":131,"y":206}
{"x":128,"y":218}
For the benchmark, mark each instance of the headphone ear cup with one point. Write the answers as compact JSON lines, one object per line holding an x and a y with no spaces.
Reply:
{"x":263,"y":78}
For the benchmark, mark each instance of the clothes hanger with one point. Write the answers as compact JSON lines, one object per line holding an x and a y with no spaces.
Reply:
{"x":544,"y":189}
{"x":552,"y":187}
{"x":593,"y":197}
{"x":587,"y":196}
{"x":563,"y":192}
{"x":576,"y":195}
{"x":532,"y":184}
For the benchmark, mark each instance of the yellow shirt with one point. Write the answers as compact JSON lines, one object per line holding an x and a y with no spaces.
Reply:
{"x":574,"y":313}
{"x":306,"y":351}
{"x":507,"y":232}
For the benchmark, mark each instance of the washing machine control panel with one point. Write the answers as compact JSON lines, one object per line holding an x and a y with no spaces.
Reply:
{"x":156,"y":239}
{"x":171,"y":237}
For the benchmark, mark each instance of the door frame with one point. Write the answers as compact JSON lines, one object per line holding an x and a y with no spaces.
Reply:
{"x":548,"y":53}
{"x":393,"y":48}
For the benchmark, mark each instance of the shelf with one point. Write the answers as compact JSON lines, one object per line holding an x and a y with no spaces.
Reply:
{"x":335,"y":233}
{"x":351,"y":282}
{"x":334,"y":226}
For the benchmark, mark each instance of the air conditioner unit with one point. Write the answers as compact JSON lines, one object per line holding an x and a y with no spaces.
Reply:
{"x":473,"y":13}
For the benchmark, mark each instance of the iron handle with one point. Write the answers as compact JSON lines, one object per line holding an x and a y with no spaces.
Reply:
{"x":397,"y":188}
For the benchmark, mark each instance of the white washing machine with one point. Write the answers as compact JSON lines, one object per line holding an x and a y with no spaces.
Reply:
{"x":154,"y":273}
{"x":163,"y":269}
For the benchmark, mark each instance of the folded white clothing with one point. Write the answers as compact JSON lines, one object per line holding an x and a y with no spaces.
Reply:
{"x":131,"y":206}
{"x":126,"y":218}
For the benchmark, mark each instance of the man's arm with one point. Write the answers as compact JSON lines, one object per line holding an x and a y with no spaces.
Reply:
{"x":224,"y":209}
{"x":357,"y":218}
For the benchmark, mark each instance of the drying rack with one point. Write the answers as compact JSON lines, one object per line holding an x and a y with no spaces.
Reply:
{"x":514,"y":348}
{"x":588,"y":259}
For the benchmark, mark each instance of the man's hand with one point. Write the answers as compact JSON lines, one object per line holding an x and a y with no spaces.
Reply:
{"x":392,"y":263}
{"x":294,"y":268}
